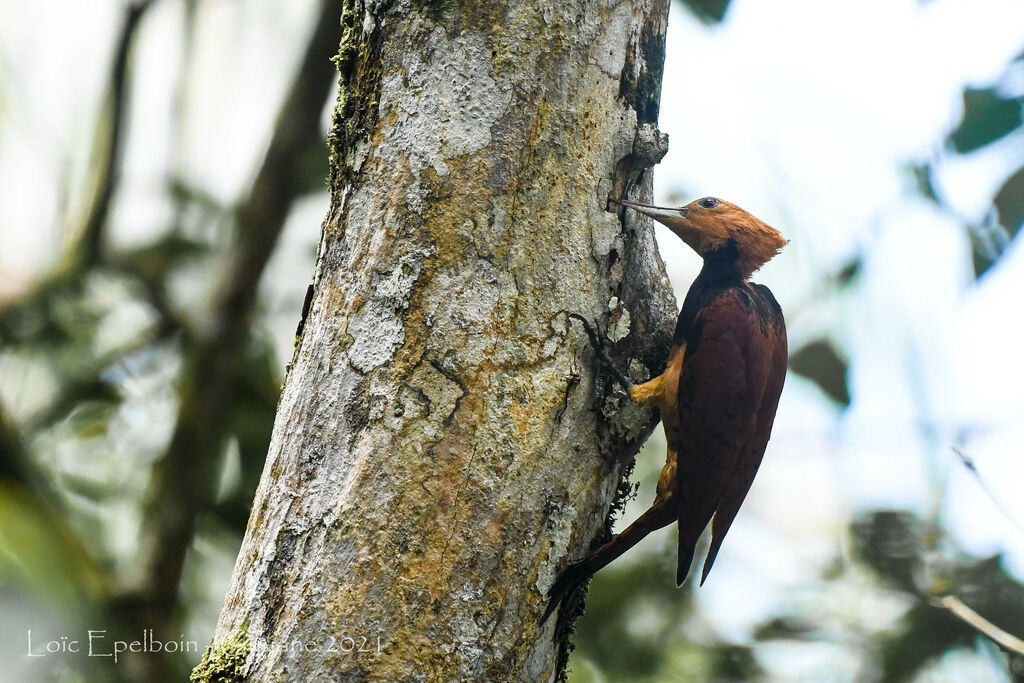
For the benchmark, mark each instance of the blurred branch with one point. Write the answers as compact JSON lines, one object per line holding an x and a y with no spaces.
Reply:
{"x":183,"y":479}
{"x":968,"y":462}
{"x":86,"y":247}
{"x":152,"y":278}
{"x":914,"y":557}
{"x":987,"y":628}
{"x":88,"y":243}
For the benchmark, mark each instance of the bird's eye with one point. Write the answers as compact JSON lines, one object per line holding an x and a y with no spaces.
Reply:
{"x":709,"y":202}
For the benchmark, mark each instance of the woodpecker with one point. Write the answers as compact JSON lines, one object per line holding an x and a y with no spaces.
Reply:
{"x":719,"y":391}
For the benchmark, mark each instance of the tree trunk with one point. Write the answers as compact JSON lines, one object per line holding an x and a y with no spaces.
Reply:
{"x":442,"y":445}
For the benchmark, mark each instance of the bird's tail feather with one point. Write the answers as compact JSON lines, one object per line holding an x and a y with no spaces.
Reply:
{"x":685,"y":560}
{"x":659,"y":515}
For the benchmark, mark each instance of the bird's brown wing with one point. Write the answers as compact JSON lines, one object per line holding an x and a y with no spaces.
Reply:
{"x":773,"y":338}
{"x":729,"y":364}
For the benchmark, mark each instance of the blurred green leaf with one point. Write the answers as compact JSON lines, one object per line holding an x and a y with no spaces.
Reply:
{"x":924,"y":634}
{"x":984,"y":249}
{"x":708,"y":11}
{"x":785,"y":628}
{"x":40,"y":554}
{"x":987,"y":117}
{"x":94,"y":490}
{"x":990,"y":240}
{"x":1009,"y":203}
{"x":922,"y":175}
{"x":891,"y":542}
{"x":617,"y":595}
{"x":819,"y":362}
{"x":985,"y":586}
{"x":90,"y":419}
{"x":52,"y":314}
{"x":850,"y":271}
{"x":102,"y":397}
{"x":734,"y":663}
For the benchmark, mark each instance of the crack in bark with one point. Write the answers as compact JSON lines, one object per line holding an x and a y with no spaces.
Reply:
{"x":451,"y":377}
{"x":455,"y":506}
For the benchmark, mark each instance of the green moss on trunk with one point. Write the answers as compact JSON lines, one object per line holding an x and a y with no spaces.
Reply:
{"x":225,"y":661}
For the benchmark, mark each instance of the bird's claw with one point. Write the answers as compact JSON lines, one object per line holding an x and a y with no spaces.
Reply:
{"x":597,"y":341}
{"x":568,"y":579}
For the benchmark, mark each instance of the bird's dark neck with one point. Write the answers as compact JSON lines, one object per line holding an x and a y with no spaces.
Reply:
{"x":719,"y":272}
{"x":720,"y":267}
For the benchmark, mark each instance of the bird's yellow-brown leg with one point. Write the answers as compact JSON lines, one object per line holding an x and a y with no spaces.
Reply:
{"x":649,"y":393}
{"x":661,"y":391}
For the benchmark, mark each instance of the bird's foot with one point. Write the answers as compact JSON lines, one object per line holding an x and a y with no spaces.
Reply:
{"x":572,"y":576}
{"x":598,"y":341}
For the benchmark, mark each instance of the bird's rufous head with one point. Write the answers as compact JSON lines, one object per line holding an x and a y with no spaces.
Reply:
{"x":709,"y":224}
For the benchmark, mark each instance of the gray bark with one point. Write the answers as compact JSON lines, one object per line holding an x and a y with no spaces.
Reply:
{"x":443,"y":445}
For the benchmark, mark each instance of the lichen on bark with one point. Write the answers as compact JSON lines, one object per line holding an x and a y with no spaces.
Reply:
{"x":440,"y":447}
